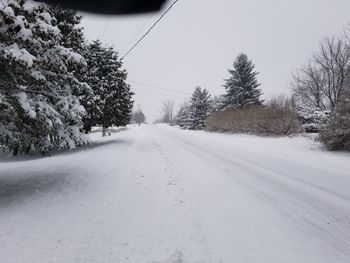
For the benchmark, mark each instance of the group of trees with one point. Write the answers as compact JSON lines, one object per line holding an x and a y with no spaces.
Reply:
{"x":320,"y":100}
{"x":241,"y":91}
{"x":166,"y":112}
{"x":322,"y":92}
{"x":241,"y":109}
{"x":54,"y":86}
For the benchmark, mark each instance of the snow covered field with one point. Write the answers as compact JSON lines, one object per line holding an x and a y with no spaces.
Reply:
{"x":160,"y":194}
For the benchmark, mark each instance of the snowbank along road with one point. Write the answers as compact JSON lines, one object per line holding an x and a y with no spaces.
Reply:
{"x":160,"y":194}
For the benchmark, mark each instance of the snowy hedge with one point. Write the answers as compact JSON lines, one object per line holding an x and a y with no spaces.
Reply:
{"x":313,"y":120}
{"x":336,"y":134}
{"x":278,"y":117}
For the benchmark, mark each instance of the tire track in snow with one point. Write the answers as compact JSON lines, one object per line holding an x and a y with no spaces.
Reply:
{"x":178,"y":188}
{"x":315,"y":213}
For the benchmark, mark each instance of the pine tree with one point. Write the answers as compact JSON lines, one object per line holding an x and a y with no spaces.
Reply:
{"x":123,"y":97}
{"x":200,"y":106}
{"x":38,"y":112}
{"x":182,"y":116}
{"x":111,"y":100}
{"x":68,"y":22}
{"x":242,"y":86}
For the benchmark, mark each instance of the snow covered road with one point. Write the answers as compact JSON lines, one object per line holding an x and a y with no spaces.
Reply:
{"x":160,"y":194}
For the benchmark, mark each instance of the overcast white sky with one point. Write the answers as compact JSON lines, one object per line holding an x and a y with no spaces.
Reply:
{"x":198,"y":40}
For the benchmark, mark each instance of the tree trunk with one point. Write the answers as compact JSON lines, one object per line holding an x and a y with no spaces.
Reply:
{"x":103,"y":131}
{"x":87,"y":129}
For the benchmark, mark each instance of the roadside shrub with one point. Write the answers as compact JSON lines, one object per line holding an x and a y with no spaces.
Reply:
{"x":313,"y":120}
{"x":336,"y":135}
{"x":278,"y":117}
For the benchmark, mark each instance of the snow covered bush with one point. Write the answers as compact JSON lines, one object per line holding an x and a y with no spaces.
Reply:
{"x":277,"y":117}
{"x":336,"y":134}
{"x":313,"y":120}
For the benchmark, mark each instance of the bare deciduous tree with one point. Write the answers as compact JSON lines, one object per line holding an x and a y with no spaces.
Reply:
{"x":139,"y":117}
{"x":322,"y":83}
{"x":167,"y":112}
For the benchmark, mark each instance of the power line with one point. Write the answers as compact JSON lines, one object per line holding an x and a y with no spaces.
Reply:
{"x":149,"y":30}
{"x":155,"y":87}
{"x":137,"y":32}
{"x":104,"y":30}
{"x":160,"y":94}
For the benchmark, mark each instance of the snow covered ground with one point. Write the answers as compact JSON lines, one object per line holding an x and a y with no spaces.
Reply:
{"x":160,"y":194}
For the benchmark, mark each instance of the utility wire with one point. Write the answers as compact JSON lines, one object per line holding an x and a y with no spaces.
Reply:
{"x":104,"y":30}
{"x":149,"y":30}
{"x":160,"y":94}
{"x":137,"y":33}
{"x":155,"y":87}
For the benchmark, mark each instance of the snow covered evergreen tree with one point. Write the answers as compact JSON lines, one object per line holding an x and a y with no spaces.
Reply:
{"x":68,"y":22}
{"x":242,"y":86}
{"x":111,"y":100}
{"x":200,"y":106}
{"x":182,"y":117}
{"x":336,"y":134}
{"x":37,"y":110}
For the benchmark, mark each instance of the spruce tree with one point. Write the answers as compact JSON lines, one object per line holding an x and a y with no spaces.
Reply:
{"x":38,"y":112}
{"x":200,"y":106}
{"x":182,"y":116}
{"x":242,"y":86}
{"x":68,"y":22}
{"x":111,"y":100}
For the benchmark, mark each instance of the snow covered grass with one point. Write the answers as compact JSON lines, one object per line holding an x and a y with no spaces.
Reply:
{"x":144,"y":193}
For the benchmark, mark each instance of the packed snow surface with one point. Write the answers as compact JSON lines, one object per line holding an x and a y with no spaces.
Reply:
{"x":161,"y":194}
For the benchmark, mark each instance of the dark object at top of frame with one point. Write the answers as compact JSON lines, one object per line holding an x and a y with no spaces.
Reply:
{"x":111,"y":7}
